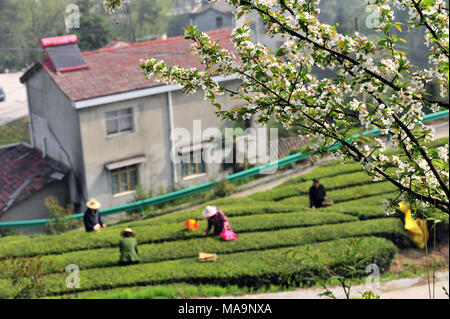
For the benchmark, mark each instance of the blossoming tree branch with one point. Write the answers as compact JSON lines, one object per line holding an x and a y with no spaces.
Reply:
{"x":374,"y":85}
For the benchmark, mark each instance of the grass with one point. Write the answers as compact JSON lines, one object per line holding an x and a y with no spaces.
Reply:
{"x":15,"y":131}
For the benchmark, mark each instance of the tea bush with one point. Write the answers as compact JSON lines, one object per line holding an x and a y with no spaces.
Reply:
{"x":343,"y":195}
{"x":302,"y":188}
{"x":388,"y":228}
{"x":165,"y":232}
{"x":250,"y":269}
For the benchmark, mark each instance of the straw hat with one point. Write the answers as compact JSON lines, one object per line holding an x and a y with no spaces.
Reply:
{"x":128,"y":230}
{"x":209,"y":211}
{"x":93,"y":204}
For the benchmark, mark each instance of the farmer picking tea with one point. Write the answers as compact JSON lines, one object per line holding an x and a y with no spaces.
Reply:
{"x":92,"y":219}
{"x":129,"y":254}
{"x":216,"y":218}
{"x":318,"y":195}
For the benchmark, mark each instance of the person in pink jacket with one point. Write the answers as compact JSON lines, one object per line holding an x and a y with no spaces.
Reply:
{"x":216,"y":218}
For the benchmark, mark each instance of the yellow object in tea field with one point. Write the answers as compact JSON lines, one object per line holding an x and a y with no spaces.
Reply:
{"x":417,"y":228}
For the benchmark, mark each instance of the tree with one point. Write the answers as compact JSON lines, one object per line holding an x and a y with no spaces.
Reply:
{"x":40,"y":19}
{"x":176,"y":25}
{"x":95,"y":31}
{"x":143,"y":19}
{"x":8,"y":42}
{"x":285,"y":88}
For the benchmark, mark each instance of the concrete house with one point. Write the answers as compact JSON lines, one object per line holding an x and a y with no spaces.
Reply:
{"x":212,"y":16}
{"x":27,"y":177}
{"x":111,"y":126}
{"x":216,"y":15}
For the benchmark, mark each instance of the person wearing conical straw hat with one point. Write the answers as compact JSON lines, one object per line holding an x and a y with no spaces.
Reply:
{"x":129,"y":254}
{"x":216,"y":218}
{"x":92,"y":219}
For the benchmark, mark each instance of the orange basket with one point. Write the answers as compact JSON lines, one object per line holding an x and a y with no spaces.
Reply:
{"x":191,"y":224}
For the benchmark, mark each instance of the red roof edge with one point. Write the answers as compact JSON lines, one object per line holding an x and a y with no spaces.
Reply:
{"x":61,"y":40}
{"x":138,"y":44}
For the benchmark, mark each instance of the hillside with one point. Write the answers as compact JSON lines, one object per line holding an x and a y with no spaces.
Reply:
{"x":270,"y":225}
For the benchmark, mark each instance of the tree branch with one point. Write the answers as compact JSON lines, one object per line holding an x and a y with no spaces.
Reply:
{"x":425,"y":23}
{"x":423,"y":153}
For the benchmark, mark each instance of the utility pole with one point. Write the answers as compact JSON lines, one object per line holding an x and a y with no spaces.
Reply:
{"x":357,"y":24}
{"x":358,"y":30}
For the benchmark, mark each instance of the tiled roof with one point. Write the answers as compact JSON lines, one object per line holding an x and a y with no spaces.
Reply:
{"x":287,"y":144}
{"x":117,"y":42}
{"x":115,"y":70}
{"x":23,"y":171}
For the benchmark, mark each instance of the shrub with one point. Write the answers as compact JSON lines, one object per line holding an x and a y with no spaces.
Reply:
{"x":8,"y":233}
{"x":365,"y":208}
{"x":346,"y":194}
{"x":388,"y":228}
{"x":57,"y":212}
{"x":230,"y":211}
{"x":179,"y":290}
{"x":302,"y":188}
{"x":322,"y":171}
{"x":348,"y":267}
{"x":258,"y":206}
{"x":251,"y":269}
{"x":362,"y":212}
{"x":232,"y":201}
{"x":223,"y":189}
{"x":26,"y":276}
{"x":165,"y":232}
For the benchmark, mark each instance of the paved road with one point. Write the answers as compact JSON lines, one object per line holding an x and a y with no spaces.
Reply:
{"x":15,"y":105}
{"x":441,"y":129}
{"x":407,"y":288}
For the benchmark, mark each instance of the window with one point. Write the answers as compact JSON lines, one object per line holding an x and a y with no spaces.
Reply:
{"x":219,"y":22}
{"x":124,"y":179}
{"x":188,"y":165}
{"x":119,"y":121}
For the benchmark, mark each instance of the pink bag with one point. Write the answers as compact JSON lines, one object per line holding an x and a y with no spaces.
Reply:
{"x":228,"y":234}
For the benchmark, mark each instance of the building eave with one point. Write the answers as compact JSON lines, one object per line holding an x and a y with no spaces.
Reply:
{"x":224,"y":12}
{"x":119,"y":97}
{"x":30,"y":72}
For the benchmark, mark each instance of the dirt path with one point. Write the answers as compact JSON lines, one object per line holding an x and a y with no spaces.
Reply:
{"x":407,"y":288}
{"x":441,"y":128}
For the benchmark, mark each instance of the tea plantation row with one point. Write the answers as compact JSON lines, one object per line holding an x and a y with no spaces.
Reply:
{"x":251,"y":269}
{"x":269,"y":224}
{"x":388,"y":228}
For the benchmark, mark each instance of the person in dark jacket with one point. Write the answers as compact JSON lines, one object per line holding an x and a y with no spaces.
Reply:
{"x":317,"y":195}
{"x":129,"y":253}
{"x":216,"y":219}
{"x":92,"y":219}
